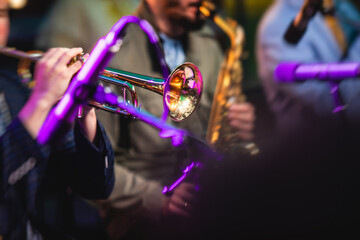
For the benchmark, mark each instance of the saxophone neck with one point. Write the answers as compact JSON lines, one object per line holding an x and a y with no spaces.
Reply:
{"x":229,"y":26}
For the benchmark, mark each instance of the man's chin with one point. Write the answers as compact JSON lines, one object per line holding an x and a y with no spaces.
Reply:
{"x":194,"y":25}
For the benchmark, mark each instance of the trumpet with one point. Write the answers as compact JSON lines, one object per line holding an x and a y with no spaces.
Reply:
{"x":181,"y":91}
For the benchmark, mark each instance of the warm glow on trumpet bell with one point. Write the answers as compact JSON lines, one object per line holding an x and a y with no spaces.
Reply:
{"x":17,"y":4}
{"x":176,"y":86}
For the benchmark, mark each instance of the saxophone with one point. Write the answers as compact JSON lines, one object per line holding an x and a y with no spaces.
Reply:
{"x":228,"y":89}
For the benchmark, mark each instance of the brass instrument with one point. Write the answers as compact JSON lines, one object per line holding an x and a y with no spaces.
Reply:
{"x":228,"y":89}
{"x":181,"y":90}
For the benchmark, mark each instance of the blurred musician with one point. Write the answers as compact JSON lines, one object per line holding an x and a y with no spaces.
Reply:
{"x":38,"y":181}
{"x":328,"y":38}
{"x":317,"y":146}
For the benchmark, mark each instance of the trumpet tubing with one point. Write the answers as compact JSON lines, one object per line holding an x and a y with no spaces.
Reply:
{"x":181,"y":90}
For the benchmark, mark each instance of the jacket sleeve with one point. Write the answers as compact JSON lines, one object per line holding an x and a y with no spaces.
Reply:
{"x":92,"y":168}
{"x":134,"y":197}
{"x":21,"y":157}
{"x":22,"y":169}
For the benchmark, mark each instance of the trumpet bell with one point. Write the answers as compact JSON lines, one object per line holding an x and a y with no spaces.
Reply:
{"x":182,"y":91}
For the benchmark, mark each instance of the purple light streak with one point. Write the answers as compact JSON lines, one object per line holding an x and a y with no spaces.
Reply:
{"x":295,"y":71}
{"x":166,"y":130}
{"x":334,"y":73}
{"x":186,"y":171}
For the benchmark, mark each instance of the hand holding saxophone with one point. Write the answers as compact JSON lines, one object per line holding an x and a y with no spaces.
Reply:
{"x":241,"y":117}
{"x":182,"y":202}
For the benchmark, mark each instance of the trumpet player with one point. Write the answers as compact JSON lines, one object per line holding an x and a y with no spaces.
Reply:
{"x":34,"y":176}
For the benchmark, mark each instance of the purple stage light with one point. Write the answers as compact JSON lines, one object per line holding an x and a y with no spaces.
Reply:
{"x":186,"y":172}
{"x":333,"y":73}
{"x":295,"y":71}
{"x":166,"y":130}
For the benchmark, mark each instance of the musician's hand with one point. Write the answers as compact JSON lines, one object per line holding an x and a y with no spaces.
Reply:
{"x":182,"y":203}
{"x":87,"y":119}
{"x":52,"y":77}
{"x":241,"y":117}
